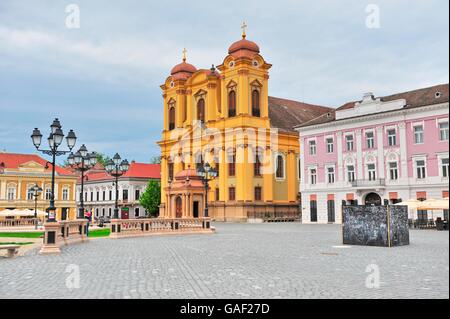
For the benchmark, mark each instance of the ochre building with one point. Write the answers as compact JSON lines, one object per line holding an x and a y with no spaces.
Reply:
{"x":224,"y":116}
{"x":20,"y":172}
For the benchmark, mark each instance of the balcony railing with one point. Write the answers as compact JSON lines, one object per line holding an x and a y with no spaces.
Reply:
{"x":369,"y":183}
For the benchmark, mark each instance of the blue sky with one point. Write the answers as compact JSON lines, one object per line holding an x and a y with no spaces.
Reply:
{"x":103,"y":79}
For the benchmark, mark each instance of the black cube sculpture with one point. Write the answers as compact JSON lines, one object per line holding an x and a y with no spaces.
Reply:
{"x":385,"y":226}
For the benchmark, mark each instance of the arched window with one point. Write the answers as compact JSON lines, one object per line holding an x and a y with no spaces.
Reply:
{"x":172,"y":118}
{"x":255,"y":103}
{"x":280,"y":167}
{"x":232,"y":103}
{"x":201,"y":110}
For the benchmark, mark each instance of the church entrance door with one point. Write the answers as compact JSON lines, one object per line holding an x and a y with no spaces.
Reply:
{"x":178,"y":207}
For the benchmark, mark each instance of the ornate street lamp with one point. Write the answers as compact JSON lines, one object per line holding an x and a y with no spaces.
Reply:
{"x":54,"y":142}
{"x":36,"y":193}
{"x":116,"y":168}
{"x":82,"y":161}
{"x":207,"y":173}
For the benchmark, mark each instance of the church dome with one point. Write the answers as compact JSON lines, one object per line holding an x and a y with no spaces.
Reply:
{"x":183,"y":67}
{"x":243,"y":44}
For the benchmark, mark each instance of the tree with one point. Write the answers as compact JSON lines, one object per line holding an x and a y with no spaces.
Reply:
{"x":102,"y":158}
{"x":155,"y":160}
{"x":151,"y":198}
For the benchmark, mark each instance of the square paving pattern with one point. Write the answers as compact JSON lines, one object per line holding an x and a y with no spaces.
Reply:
{"x":272,"y":260}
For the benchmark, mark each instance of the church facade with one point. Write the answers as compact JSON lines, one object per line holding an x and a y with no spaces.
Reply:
{"x":224,"y":117}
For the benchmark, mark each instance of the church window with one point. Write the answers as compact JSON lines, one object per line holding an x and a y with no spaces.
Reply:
{"x":232,"y":103}
{"x":171,"y":118}
{"x":255,"y":103}
{"x":201,"y":110}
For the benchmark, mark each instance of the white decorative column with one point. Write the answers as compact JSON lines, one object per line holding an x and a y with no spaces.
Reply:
{"x":380,"y":152}
{"x":340,"y":163}
{"x":303,"y":175}
{"x":359,"y":157}
{"x":403,"y":152}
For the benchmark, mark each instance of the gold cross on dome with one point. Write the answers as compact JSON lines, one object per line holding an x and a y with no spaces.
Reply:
{"x":184,"y":54}
{"x":243,"y":29}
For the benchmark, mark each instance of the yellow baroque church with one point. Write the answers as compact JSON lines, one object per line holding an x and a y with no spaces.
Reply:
{"x":224,"y":117}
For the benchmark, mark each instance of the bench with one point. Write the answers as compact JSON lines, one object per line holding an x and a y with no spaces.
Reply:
{"x":12,"y":250}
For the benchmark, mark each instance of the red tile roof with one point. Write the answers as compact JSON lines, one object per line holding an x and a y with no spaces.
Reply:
{"x":414,"y":98}
{"x":13,"y":161}
{"x":136,"y":170}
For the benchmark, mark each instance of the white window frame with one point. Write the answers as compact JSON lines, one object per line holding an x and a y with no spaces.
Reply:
{"x":415,"y":167}
{"x":348,"y":173}
{"x":352,"y":142}
{"x":368,"y":171}
{"x":11,"y":192}
{"x":422,"y":133}
{"x":390,"y":136}
{"x":328,"y":174}
{"x":446,"y":131}
{"x":311,"y":147}
{"x":310,"y":175}
{"x":367,"y":139}
{"x":441,"y":158}
{"x":65,"y":194}
{"x":329,"y":146}
{"x":391,"y":169}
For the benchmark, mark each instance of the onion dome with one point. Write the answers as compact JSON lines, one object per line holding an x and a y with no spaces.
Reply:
{"x":183,"y":70}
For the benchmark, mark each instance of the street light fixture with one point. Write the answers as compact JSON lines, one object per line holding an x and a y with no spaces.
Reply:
{"x":36,"y":193}
{"x":207,"y":173}
{"x":82,"y":161}
{"x":116,"y":168}
{"x":54,"y":141}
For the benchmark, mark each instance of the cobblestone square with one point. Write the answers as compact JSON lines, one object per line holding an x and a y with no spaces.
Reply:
{"x":272,"y":260}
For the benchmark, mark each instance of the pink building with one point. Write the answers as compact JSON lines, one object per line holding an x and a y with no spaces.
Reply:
{"x":376,"y":151}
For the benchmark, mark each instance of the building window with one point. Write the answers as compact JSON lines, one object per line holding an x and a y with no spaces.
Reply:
{"x":258,"y":193}
{"x":255,"y":103}
{"x":110,"y":195}
{"x":313,"y":176}
{"x":420,"y":169}
{"x":313,"y":210}
{"x":280,"y":167}
{"x":351,"y":173}
{"x":48,"y":194}
{"x":217,"y":194}
{"x":349,"y":142}
{"x":232,"y":103}
{"x":232,"y":164}
{"x":370,"y":141}
{"x":444,"y":167}
{"x":257,"y":165}
{"x":201,"y":110}
{"x":125,"y":194}
{"x":330,"y":175}
{"x":418,"y":134}
{"x":330,"y":145}
{"x":110,"y":212}
{"x":371,"y":172}
{"x":392,"y":137}
{"x":137,"y":194}
{"x":393,"y":170}
{"x":11,"y":193}
{"x":85,"y":196}
{"x":299,"y":162}
{"x":136,"y":212}
{"x":170,"y":171}
{"x":103,"y":212}
{"x":171,"y":118}
{"x":331,"y":211}
{"x":96,"y":212}
{"x":98,"y":196}
{"x":104,"y":195}
{"x":92,"y":196}
{"x":30,"y":194}
{"x":65,"y":194}
{"x":231,"y":193}
{"x":443,"y":131}
{"x":312,"y":147}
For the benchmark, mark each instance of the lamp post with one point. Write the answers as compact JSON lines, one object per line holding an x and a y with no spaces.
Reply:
{"x":82,"y":161}
{"x":116,"y":168}
{"x":54,"y":142}
{"x":207,"y":173}
{"x":36,"y":193}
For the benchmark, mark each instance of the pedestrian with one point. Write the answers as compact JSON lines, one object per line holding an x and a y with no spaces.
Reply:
{"x":88,"y":216}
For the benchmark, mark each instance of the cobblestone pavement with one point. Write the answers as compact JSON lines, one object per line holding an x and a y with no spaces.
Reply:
{"x":241,"y":261}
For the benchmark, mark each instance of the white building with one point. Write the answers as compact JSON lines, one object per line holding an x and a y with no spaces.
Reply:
{"x":376,"y":151}
{"x":99,"y":191}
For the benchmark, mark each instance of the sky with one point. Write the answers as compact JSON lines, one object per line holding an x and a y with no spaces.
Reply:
{"x":102,"y":79}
